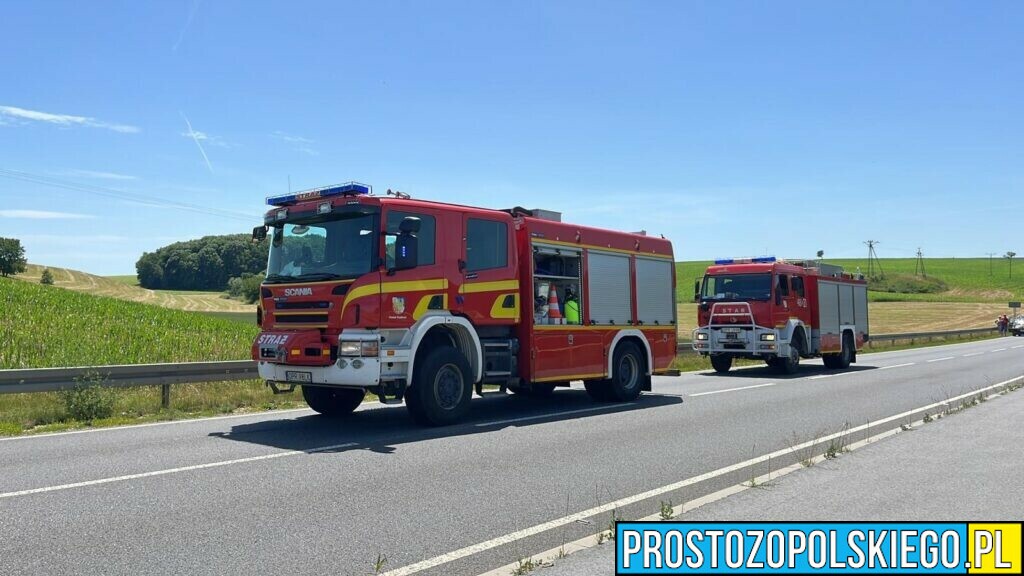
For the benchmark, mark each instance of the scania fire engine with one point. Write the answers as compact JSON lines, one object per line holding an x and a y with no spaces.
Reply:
{"x":780,"y":312}
{"x":423,"y":302}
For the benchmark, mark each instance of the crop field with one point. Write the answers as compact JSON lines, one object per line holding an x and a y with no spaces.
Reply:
{"x":45,"y":326}
{"x":968,"y":279}
{"x":127,"y":288}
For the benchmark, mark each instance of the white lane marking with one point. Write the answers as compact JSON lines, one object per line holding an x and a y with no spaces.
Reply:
{"x":149,"y":424}
{"x":973,"y":354}
{"x":897,"y":366}
{"x":1018,"y":346}
{"x":174,"y":470}
{"x":999,"y":350}
{"x":731,"y":389}
{"x":628,"y":500}
{"x":820,"y":376}
{"x":540,"y":416}
{"x":943,"y":359}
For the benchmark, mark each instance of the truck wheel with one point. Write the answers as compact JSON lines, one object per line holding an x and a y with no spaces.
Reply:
{"x":597,"y":389}
{"x":441,"y":388}
{"x":627,"y":373}
{"x":846,"y":356}
{"x":721,"y":363}
{"x":790,"y":364}
{"x":332,"y":401}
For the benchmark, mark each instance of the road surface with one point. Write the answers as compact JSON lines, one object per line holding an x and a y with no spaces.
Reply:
{"x":290,"y":492}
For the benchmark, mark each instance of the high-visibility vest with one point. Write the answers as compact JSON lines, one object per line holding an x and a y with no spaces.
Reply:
{"x":572,"y":312}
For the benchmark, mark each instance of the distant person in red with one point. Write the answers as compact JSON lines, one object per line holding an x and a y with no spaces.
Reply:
{"x":1004,"y":325}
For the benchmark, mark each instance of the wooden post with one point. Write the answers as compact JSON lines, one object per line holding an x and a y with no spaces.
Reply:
{"x":165,"y":396}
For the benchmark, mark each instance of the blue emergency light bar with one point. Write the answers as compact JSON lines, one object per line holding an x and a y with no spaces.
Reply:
{"x":347,"y":189}
{"x":758,"y":260}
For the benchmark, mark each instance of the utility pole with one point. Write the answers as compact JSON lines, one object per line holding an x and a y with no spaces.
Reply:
{"x":919,"y":265}
{"x":1009,"y":256}
{"x":873,"y":260}
{"x":990,"y":255}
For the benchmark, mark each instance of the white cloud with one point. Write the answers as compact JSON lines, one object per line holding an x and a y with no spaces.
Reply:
{"x":100,"y":175}
{"x":43,"y":215}
{"x":24,"y":115}
{"x":299,"y":143}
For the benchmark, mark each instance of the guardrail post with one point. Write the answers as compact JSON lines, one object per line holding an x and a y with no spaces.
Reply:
{"x":165,"y":396}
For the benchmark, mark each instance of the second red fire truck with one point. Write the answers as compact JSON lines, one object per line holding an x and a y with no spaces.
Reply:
{"x":423,"y":302}
{"x":780,"y":312}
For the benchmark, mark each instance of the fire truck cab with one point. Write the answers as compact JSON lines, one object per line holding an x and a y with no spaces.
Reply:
{"x":423,"y":302}
{"x":780,"y":312}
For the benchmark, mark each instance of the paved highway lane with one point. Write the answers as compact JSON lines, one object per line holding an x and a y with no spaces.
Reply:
{"x":293,"y":492}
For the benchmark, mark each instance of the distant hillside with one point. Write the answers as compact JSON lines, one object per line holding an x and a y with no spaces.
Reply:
{"x":44,"y":326}
{"x":967,"y":279}
{"x":125,"y":288}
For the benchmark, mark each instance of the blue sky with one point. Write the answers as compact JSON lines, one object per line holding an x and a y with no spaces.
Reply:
{"x":733,"y":128}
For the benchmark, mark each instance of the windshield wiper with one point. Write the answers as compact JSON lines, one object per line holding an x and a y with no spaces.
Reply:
{"x":273,"y":278}
{"x":316,"y":276}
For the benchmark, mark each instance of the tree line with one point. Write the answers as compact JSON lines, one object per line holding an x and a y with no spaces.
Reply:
{"x":207,"y":263}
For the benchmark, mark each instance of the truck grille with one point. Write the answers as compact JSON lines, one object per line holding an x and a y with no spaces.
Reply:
{"x":315,"y":305}
{"x":300,"y":319}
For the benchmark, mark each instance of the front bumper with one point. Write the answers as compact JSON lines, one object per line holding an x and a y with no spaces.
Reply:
{"x":366,"y":375}
{"x":738,"y":341}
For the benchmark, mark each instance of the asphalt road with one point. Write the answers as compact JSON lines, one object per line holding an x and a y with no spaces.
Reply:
{"x":296,"y":493}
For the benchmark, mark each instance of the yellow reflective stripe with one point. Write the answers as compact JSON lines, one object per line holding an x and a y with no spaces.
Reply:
{"x":498,"y":310}
{"x":421,"y":307}
{"x":392,"y":287}
{"x":473,"y":288}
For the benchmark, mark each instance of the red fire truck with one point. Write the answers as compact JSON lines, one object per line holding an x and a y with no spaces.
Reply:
{"x":780,"y":312}
{"x":424,"y":301}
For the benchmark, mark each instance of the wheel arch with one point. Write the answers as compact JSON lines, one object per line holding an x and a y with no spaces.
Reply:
{"x":637,"y":337}
{"x":459,"y":330}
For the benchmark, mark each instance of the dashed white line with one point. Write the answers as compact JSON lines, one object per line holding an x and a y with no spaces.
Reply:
{"x":897,"y":366}
{"x":732,"y":389}
{"x":973,"y":354}
{"x":174,"y":470}
{"x":820,"y":376}
{"x":1018,"y":346}
{"x":999,"y":350}
{"x":941,"y":359}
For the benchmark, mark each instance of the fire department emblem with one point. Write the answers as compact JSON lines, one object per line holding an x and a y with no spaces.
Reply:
{"x":398,"y":304}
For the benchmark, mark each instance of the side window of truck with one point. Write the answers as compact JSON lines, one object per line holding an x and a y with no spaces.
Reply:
{"x":425,"y":236}
{"x":782,"y":285}
{"x":798,"y":286}
{"x":486,"y":244}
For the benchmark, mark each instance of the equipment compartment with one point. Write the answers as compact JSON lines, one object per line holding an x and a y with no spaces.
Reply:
{"x":561,"y":268}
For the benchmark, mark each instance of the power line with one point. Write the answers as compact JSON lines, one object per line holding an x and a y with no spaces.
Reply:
{"x":124,"y":195}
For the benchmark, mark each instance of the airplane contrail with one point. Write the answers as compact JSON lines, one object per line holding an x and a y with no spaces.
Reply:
{"x":195,"y":138}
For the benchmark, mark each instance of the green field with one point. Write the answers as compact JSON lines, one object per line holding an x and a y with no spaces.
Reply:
{"x":967,"y":279}
{"x":45,"y":326}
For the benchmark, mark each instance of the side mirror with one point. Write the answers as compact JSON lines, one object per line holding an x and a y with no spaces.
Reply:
{"x":259,"y":234}
{"x":696,"y":290}
{"x":407,"y":244}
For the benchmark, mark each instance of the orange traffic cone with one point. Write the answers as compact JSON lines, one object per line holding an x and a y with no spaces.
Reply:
{"x":554,"y":312}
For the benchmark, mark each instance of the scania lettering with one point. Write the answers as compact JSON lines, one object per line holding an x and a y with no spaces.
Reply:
{"x":424,"y":302}
{"x":780,"y":312}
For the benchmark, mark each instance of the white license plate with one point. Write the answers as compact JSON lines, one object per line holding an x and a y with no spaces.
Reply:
{"x":298,"y":376}
{"x":731,"y":330}
{"x":731,"y":336}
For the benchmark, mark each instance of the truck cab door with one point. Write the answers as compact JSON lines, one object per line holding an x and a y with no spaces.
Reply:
{"x":489,"y":294}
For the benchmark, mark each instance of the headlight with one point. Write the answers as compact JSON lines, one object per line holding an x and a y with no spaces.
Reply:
{"x":358,"y":348}
{"x":702,"y":336}
{"x":768,"y":337}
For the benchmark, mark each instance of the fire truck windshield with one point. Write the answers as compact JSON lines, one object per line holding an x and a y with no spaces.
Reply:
{"x":737,"y":287}
{"x":322,"y":248}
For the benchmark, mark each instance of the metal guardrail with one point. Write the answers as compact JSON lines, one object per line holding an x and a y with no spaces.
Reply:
{"x":54,"y":379}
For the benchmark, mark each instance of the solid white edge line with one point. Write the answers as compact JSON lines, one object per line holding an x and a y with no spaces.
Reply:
{"x":731,"y":389}
{"x":896,"y":366}
{"x":623,"y":502}
{"x":541,"y":416}
{"x":940,"y":359}
{"x":172,"y":470}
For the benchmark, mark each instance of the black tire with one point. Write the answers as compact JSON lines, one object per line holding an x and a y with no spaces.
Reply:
{"x":597,"y":389}
{"x":628,"y":373}
{"x":535,"y":390}
{"x":721,"y":363}
{"x":334,"y":402}
{"x":846,"y":356}
{"x":791,"y":364}
{"x":442,"y":387}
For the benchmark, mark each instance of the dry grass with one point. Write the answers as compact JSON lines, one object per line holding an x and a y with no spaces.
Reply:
{"x":123,"y":288}
{"x":897,"y":317}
